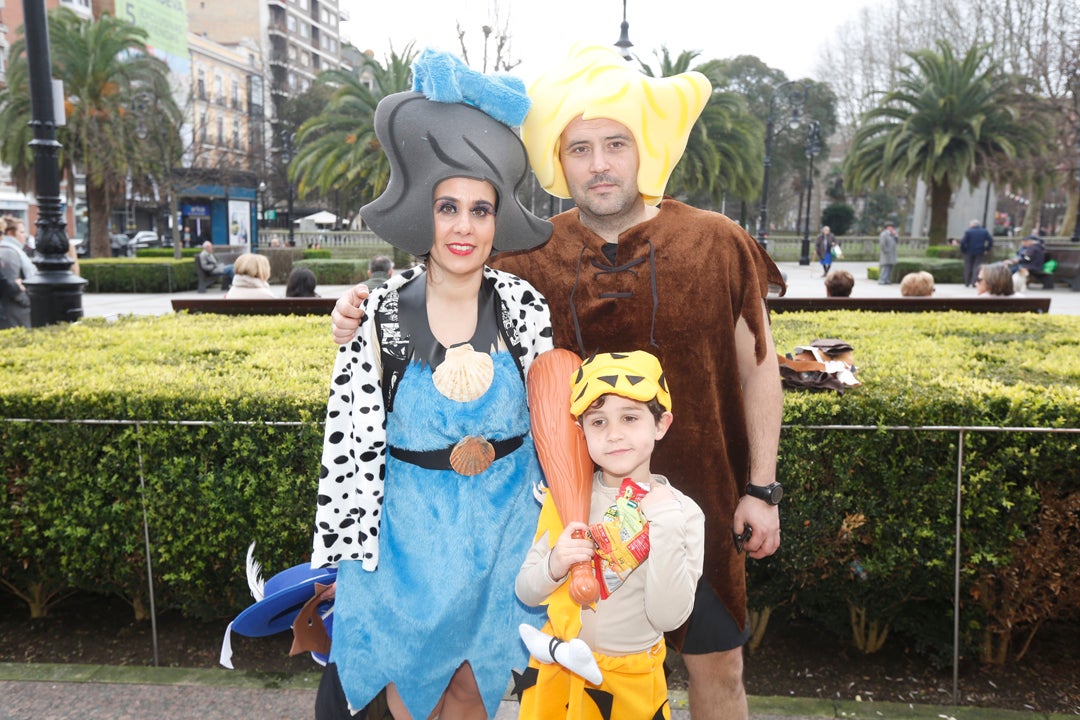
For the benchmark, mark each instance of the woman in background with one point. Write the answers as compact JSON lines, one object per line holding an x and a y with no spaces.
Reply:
{"x":301,"y":283}
{"x":994,"y":279}
{"x":251,"y":276}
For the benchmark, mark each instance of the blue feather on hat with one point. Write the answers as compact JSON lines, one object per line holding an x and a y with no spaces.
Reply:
{"x":443,"y":77}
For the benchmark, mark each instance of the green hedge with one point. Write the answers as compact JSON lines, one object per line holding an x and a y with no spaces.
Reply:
{"x":868,"y":518}
{"x":335,"y":272}
{"x":944,"y":270}
{"x":166,"y":252}
{"x":138,"y":275}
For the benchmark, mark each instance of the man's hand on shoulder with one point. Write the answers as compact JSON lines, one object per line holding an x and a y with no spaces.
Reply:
{"x":347,"y":314}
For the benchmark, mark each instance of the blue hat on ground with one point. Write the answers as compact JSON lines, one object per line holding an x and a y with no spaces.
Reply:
{"x":283,"y":596}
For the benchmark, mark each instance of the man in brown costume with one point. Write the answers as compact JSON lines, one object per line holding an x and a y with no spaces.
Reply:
{"x":630,"y":269}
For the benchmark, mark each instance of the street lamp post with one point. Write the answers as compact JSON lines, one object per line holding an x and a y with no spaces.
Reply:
{"x":795,"y":93}
{"x":813,"y":147}
{"x":287,"y":140}
{"x":55,"y":292}
{"x":1076,"y":224}
{"x":623,"y":43}
{"x":262,"y":203}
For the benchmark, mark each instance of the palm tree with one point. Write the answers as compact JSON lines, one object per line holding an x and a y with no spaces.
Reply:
{"x":724,"y":151}
{"x":337,"y":149}
{"x":948,"y":119}
{"x":120,"y":112}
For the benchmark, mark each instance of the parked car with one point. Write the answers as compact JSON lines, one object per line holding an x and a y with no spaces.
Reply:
{"x":146,"y":238}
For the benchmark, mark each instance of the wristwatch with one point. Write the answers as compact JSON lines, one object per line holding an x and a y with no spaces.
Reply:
{"x":771,"y":493}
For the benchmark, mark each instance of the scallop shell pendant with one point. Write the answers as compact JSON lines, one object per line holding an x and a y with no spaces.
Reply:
{"x":464,"y":374}
{"x":472,"y":456}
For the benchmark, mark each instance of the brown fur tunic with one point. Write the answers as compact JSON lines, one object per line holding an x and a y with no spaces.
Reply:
{"x":679,"y":285}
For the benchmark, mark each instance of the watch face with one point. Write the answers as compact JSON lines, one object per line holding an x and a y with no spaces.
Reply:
{"x":776,"y":494}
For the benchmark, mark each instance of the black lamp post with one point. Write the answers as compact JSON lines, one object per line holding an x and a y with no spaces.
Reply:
{"x":795,"y":94}
{"x":623,"y":43}
{"x":287,"y":140}
{"x":55,"y":292}
{"x":813,"y":147}
{"x":1076,"y":224}
{"x":262,"y":204}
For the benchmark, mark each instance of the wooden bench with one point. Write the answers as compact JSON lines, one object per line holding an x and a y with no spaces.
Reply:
{"x":911,"y":304}
{"x":206,"y":280}
{"x":260,"y":306}
{"x":1067,"y":270}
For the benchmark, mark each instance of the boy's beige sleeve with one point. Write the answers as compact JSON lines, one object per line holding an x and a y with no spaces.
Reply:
{"x":676,"y":556}
{"x":534,"y":584}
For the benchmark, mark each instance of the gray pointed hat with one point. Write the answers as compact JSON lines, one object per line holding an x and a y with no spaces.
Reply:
{"x":427,"y":142}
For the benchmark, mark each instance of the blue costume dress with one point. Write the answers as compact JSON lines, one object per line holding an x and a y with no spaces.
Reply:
{"x":449,"y":549}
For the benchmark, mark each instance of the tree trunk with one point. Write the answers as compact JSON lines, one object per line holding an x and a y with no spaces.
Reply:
{"x":1070,"y":214}
{"x":940,"y":198}
{"x":1031,"y":215}
{"x":174,"y":218}
{"x":759,"y":620}
{"x":97,"y":203}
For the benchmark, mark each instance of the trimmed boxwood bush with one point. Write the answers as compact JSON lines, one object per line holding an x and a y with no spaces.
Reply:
{"x":139,"y":274}
{"x":868,"y":517}
{"x":342,"y":271}
{"x":166,"y":252}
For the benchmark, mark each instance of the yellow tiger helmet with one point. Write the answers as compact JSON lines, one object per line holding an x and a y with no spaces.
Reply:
{"x":594,"y":81}
{"x":636,"y":375}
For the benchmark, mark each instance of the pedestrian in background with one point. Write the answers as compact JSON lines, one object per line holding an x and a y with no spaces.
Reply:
{"x":16,"y":267}
{"x":975,"y":247}
{"x":825,"y":248}
{"x":887,"y":260}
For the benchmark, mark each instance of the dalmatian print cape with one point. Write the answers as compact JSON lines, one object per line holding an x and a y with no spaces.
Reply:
{"x":354,"y":446}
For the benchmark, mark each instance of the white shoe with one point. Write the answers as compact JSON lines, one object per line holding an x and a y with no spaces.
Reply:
{"x":574,"y":655}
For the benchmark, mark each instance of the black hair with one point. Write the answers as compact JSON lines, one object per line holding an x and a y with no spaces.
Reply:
{"x":301,"y":283}
{"x":653,"y":405}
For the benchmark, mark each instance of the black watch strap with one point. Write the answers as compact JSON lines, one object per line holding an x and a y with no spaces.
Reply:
{"x":771,"y":493}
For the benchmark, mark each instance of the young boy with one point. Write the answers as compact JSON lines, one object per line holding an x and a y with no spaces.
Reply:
{"x":645,"y":543}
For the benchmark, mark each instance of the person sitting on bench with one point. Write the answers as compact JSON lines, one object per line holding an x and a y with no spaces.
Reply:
{"x":212,"y":266}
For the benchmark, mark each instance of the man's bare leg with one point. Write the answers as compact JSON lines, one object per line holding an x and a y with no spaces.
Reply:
{"x":716,"y":688}
{"x":460,"y":701}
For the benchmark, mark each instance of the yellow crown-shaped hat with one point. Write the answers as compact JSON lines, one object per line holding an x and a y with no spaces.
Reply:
{"x":594,"y":81}
{"x":636,"y":375}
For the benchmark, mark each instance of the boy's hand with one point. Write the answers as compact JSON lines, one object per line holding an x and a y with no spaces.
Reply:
{"x":658,"y":494}
{"x":569,"y":550}
{"x":347,"y":314}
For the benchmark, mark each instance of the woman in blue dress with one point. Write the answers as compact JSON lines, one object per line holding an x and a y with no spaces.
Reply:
{"x":426,"y":502}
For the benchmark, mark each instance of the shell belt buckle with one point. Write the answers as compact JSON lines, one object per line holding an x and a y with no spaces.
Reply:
{"x":472,"y":455}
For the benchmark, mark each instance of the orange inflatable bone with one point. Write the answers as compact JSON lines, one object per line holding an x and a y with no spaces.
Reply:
{"x":560,"y":444}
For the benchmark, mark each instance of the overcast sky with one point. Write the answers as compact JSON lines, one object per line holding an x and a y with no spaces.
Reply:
{"x":785,"y":34}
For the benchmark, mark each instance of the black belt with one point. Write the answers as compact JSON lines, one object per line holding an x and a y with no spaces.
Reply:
{"x":440,"y":459}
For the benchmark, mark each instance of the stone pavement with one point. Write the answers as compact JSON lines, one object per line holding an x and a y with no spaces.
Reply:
{"x":803,"y":281}
{"x":82,"y":692}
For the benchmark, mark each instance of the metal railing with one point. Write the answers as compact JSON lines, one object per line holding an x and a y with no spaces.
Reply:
{"x":269,"y":237}
{"x":961,"y":431}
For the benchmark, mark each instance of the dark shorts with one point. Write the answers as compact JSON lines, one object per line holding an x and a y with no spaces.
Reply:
{"x":330,"y":702}
{"x":712,"y":629}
